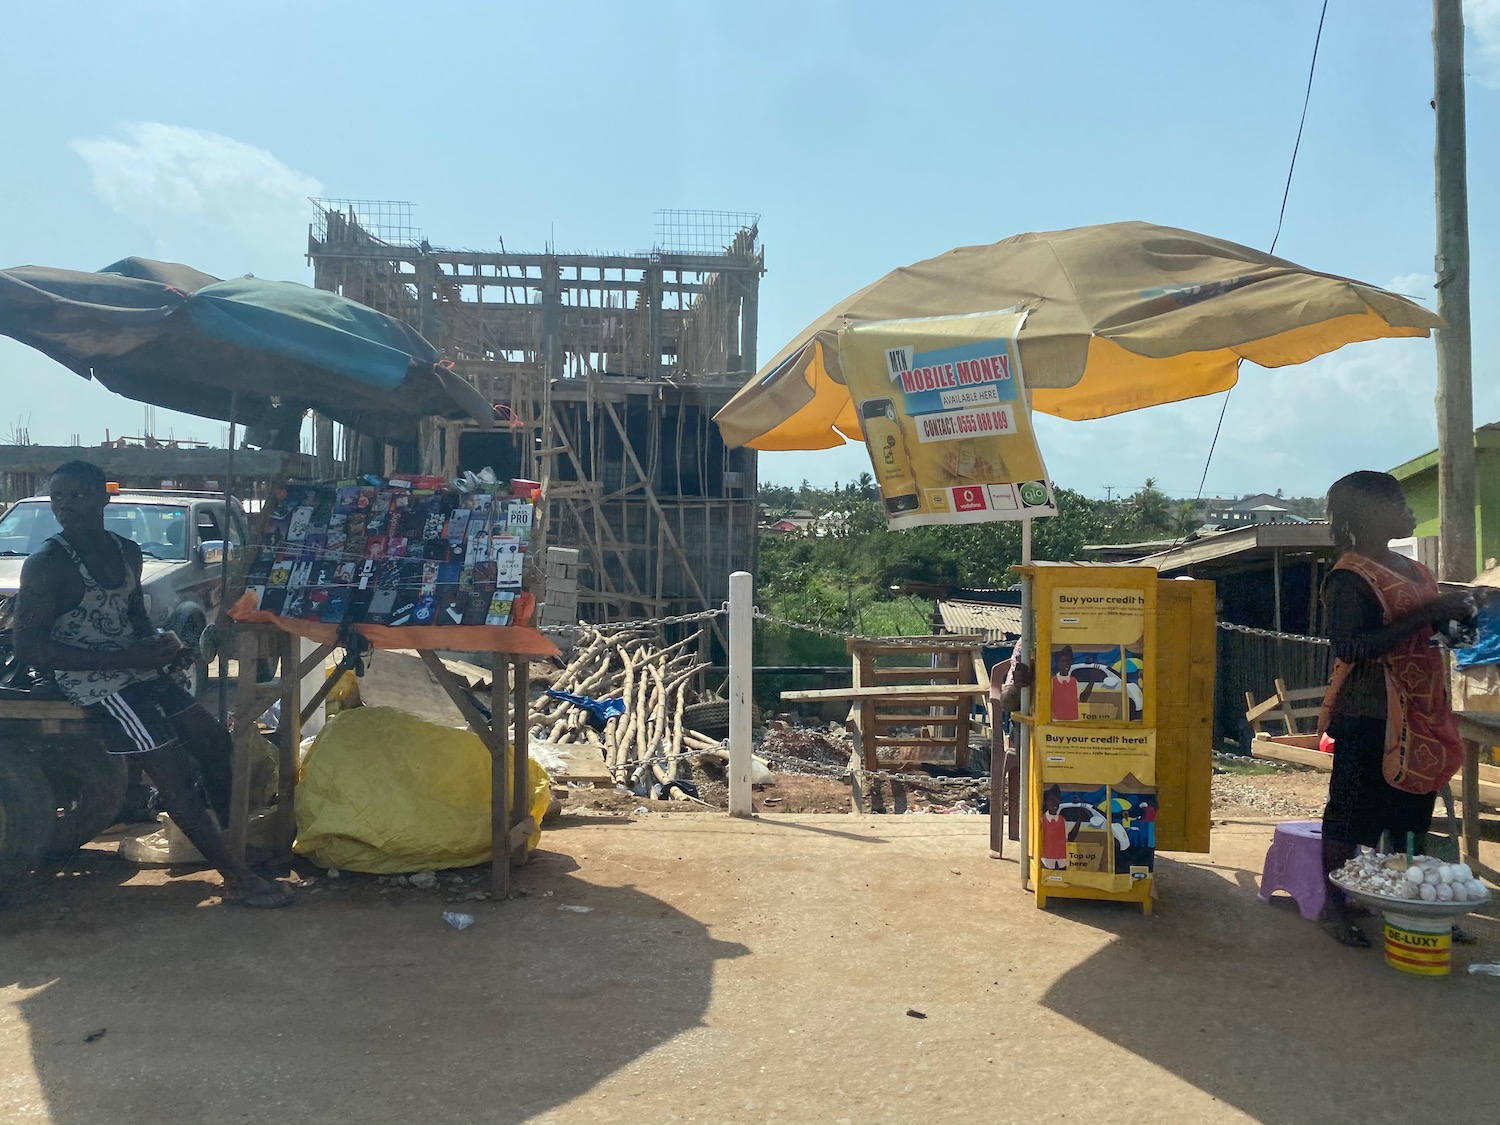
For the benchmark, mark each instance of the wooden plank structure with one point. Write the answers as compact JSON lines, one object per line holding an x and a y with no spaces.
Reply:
{"x":504,"y":733}
{"x":1296,"y":709}
{"x":923,"y":685}
{"x":606,"y":370}
{"x":24,"y":469}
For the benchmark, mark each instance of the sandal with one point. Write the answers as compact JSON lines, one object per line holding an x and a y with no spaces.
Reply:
{"x":1462,"y":936}
{"x":268,"y":896}
{"x":1345,"y":933}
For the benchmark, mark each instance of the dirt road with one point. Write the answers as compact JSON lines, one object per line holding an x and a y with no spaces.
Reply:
{"x":725,"y":971}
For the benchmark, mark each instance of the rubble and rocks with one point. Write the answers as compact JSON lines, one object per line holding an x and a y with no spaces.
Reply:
{"x":817,"y":750}
{"x":1285,"y":795}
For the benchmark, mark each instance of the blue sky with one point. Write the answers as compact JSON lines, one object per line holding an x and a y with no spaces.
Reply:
{"x":867,"y":135}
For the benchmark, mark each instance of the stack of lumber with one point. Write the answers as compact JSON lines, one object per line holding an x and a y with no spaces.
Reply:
{"x":647,"y":742}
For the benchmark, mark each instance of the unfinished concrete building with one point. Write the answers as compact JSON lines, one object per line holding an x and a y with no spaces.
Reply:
{"x":605,"y":371}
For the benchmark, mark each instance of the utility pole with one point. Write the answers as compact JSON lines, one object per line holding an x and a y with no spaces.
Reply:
{"x":1455,"y":395}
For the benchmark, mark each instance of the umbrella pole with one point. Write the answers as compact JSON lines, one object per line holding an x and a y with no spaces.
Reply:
{"x":1023,"y":741}
{"x":234,"y":402}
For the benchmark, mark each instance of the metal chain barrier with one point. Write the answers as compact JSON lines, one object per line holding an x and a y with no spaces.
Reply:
{"x":915,"y":780}
{"x":707,"y":614}
{"x":1230,"y":627}
{"x":805,"y":768}
{"x":786,"y":623}
{"x":644,"y":623}
{"x":819,"y":630}
{"x":824,"y":631}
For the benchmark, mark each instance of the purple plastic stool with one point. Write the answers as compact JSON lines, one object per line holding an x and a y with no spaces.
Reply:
{"x":1295,"y":865}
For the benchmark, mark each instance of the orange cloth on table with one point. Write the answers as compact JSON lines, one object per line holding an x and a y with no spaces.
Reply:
{"x":514,"y":640}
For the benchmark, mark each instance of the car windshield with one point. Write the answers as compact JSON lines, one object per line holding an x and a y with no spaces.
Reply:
{"x":160,"y":530}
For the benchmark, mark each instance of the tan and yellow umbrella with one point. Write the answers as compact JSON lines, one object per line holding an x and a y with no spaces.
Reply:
{"x":1119,"y":317}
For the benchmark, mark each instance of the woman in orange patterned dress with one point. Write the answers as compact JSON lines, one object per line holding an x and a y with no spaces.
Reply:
{"x":1395,"y":742}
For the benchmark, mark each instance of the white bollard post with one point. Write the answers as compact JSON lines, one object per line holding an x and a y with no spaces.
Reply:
{"x":310,"y":685}
{"x":741,"y":688}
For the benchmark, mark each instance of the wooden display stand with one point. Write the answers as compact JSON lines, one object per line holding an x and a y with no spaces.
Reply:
{"x":936,"y":697}
{"x":505,"y":733}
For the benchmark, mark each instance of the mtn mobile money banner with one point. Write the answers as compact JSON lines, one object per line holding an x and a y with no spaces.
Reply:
{"x":942,"y":404}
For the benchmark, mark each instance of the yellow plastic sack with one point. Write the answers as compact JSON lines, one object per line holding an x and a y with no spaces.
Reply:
{"x":385,"y":792}
{"x":343,"y":696}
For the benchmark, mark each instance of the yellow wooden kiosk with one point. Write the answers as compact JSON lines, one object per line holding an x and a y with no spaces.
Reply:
{"x":1120,"y":732}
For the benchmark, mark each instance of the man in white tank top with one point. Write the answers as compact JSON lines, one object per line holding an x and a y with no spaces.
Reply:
{"x":80,"y":614}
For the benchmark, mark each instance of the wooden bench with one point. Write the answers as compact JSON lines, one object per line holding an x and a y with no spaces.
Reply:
{"x":1296,"y":709}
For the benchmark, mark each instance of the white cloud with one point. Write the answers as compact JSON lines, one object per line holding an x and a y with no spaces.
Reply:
{"x":209,"y":200}
{"x":1482,"y":17}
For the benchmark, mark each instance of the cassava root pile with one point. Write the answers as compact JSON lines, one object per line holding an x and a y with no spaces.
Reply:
{"x":654,"y":682}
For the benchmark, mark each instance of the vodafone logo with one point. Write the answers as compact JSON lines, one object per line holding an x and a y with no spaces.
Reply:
{"x":969,"y":499}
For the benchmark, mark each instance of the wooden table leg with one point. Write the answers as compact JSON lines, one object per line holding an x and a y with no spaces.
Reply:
{"x":1471,"y":802}
{"x":997,"y":787}
{"x":1013,"y":794}
{"x":247,"y":650}
{"x":867,"y":734}
{"x":289,"y":739}
{"x":500,"y":765}
{"x":520,"y":754}
{"x":961,"y":734}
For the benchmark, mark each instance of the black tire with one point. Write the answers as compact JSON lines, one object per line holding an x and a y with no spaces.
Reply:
{"x":28,"y":813}
{"x":707,"y":718}
{"x":88,"y":786}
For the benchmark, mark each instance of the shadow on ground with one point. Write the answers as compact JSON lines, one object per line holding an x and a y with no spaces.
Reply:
{"x":354,"y":1006}
{"x":1273,"y":1018}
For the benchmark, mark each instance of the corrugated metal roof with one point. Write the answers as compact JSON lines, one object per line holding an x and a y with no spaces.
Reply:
{"x":996,"y":622}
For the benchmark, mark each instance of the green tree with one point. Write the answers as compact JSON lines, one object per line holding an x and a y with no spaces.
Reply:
{"x":1150,"y":510}
{"x":1186,"y":522}
{"x":846,"y":577}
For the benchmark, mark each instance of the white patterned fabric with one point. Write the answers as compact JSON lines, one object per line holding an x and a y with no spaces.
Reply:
{"x":99,"y":623}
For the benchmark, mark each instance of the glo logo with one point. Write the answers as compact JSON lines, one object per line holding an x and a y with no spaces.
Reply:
{"x":1034,"y":494}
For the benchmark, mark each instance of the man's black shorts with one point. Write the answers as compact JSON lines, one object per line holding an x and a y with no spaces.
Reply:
{"x":144,"y":712}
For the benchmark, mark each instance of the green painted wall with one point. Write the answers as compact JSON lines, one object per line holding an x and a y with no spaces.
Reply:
{"x":1419,"y":480}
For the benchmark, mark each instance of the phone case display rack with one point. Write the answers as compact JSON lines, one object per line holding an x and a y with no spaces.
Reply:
{"x":399,"y":551}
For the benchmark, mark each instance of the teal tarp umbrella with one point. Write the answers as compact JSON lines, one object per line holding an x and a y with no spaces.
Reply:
{"x":166,"y":334}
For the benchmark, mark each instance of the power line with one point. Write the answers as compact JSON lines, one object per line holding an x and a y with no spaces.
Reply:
{"x":1301,"y":122}
{"x":1286,"y":192}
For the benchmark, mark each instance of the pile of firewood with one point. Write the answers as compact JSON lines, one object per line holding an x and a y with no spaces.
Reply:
{"x":655,"y":683}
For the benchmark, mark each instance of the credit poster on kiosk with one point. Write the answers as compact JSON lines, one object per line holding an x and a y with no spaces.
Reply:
{"x":1097,"y":826}
{"x":1097,"y":653}
{"x":942,"y":405}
